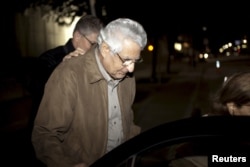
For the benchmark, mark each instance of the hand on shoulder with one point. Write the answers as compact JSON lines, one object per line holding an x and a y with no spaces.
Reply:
{"x":75,"y":53}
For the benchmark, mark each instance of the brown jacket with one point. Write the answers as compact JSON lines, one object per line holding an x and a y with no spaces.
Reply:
{"x":72,"y":120}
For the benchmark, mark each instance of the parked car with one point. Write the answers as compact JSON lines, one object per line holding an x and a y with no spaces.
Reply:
{"x":203,"y":141}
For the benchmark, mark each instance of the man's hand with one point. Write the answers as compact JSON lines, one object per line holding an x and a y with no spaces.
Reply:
{"x":75,"y":53}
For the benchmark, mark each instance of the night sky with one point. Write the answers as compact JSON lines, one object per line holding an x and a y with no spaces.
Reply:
{"x":224,"y":22}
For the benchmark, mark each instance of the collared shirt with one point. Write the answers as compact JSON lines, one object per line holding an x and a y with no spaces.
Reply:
{"x":115,"y":131}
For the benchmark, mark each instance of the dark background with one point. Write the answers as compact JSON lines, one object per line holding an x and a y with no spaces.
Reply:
{"x":225,"y":21}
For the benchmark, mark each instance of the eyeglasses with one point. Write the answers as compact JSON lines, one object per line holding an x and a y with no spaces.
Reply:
{"x":90,"y":42}
{"x":127,"y":62}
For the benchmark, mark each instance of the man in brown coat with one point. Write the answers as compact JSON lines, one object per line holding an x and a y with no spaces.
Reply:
{"x":86,"y":109}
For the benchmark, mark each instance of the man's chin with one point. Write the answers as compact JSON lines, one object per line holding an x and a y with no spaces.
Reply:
{"x":119,"y":76}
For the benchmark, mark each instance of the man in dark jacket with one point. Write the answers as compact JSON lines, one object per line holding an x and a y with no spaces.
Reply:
{"x":84,"y":36}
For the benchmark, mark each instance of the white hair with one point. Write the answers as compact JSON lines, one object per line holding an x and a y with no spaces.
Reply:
{"x":120,"y":29}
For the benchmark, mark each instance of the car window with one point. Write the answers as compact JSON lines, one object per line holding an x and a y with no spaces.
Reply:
{"x":199,"y":142}
{"x":194,"y":152}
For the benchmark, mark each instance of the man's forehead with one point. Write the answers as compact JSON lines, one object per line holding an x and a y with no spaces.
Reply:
{"x":130,"y":45}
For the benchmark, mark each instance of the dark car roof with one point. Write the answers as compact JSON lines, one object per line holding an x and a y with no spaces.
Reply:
{"x":212,"y":129}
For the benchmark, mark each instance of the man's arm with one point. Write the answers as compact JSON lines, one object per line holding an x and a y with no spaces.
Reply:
{"x":53,"y":119}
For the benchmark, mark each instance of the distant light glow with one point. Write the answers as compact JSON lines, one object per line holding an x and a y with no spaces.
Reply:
{"x":185,"y":44}
{"x":221,"y":50}
{"x":150,"y":48}
{"x":217,"y":64}
{"x":244,"y":46}
{"x":237,"y":42}
{"x":225,"y":78}
{"x":204,"y":28}
{"x":205,"y":55}
{"x":178,"y":46}
{"x":200,"y":55}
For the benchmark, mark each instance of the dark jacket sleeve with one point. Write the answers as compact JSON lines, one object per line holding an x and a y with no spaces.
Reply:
{"x":45,"y":65}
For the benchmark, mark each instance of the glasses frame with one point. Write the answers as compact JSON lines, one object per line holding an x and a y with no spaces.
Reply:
{"x":89,"y":41}
{"x":127,"y":62}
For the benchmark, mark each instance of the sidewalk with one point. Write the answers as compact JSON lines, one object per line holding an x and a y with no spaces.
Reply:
{"x":172,"y":97}
{"x":183,"y":92}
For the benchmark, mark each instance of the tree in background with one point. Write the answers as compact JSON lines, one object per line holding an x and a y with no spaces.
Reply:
{"x":62,"y":12}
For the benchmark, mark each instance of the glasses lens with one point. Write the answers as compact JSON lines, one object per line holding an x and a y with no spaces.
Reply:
{"x":139,"y":60}
{"x":89,"y":41}
{"x":128,"y":61}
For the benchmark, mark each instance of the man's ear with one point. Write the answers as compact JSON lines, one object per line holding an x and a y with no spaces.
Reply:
{"x":77,"y":35}
{"x":105,"y":49}
{"x":231,"y":108}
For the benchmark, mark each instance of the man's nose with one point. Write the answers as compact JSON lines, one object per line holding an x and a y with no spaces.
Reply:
{"x":131,"y":67}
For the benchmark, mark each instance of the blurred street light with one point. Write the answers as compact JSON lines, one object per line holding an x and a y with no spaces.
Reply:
{"x":150,"y":48}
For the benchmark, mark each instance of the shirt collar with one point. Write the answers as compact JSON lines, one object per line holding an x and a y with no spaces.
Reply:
{"x":103,"y":71}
